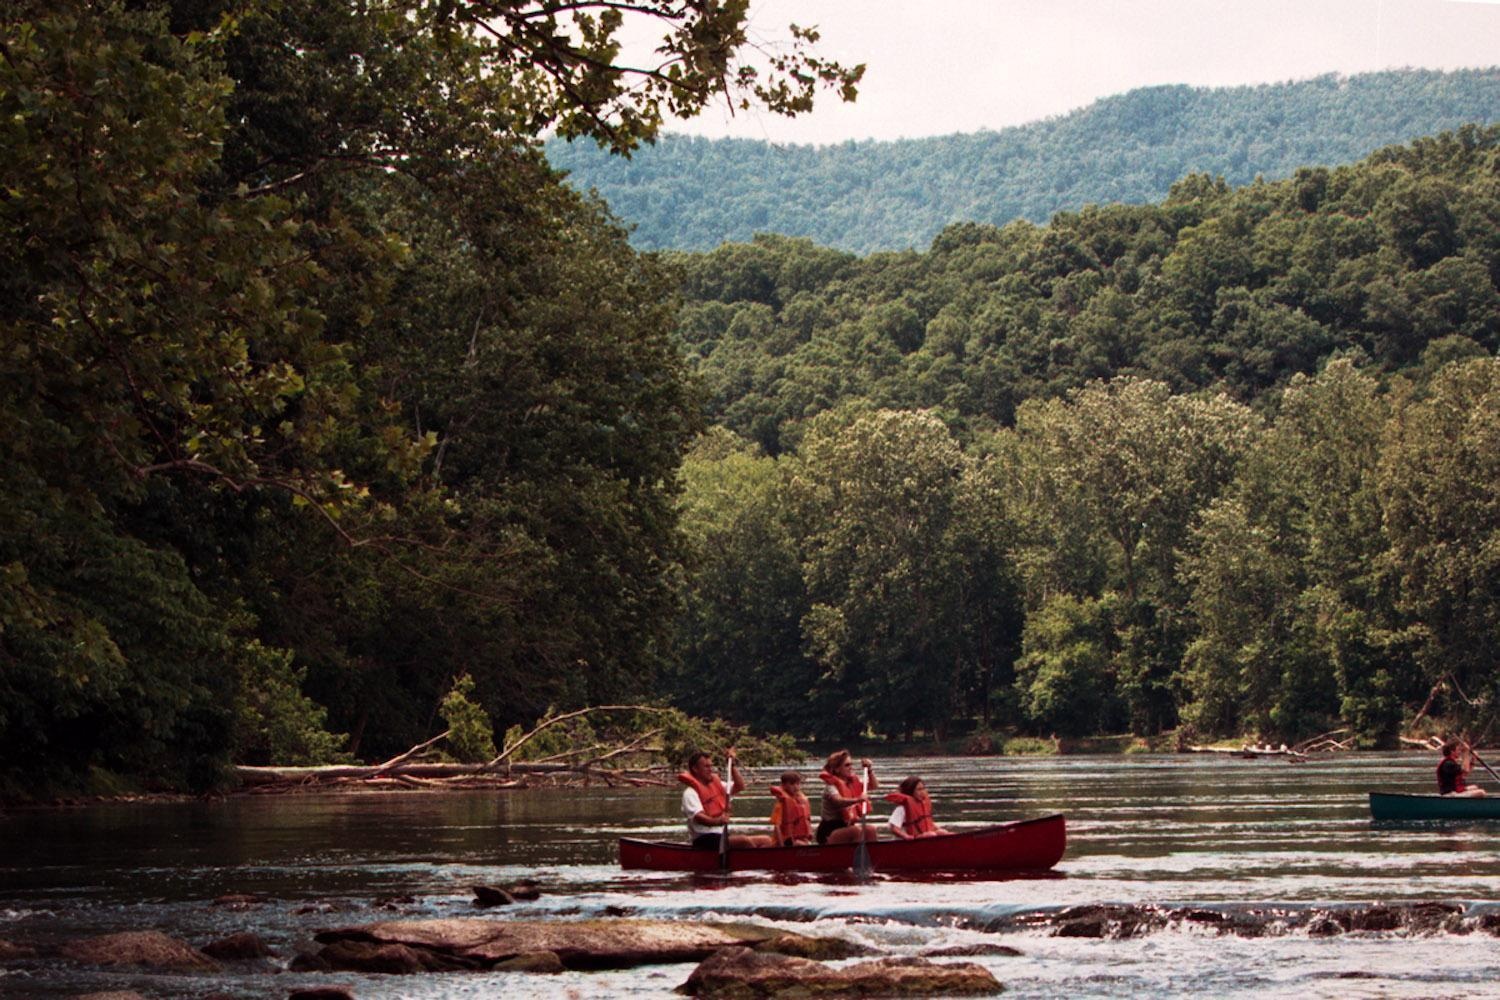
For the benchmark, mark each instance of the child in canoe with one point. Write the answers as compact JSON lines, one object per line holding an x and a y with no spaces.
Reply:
{"x":912,"y":817}
{"x":791,"y":817}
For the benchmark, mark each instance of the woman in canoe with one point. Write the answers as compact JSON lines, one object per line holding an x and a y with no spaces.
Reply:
{"x":845,"y":800}
{"x":1453,"y":771}
{"x":912,"y":817}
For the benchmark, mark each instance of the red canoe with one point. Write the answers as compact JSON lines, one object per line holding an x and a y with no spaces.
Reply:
{"x":1024,"y":846}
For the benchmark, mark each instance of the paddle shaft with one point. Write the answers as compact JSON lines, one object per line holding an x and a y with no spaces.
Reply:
{"x":728,"y":801}
{"x":862,"y":852}
{"x":1475,"y":756}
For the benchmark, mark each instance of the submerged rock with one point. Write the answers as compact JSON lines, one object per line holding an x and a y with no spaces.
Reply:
{"x":111,"y":995}
{"x":237,"y":900}
{"x":741,"y":972}
{"x":583,"y":944}
{"x":10,"y":951}
{"x":492,"y":895}
{"x":148,"y":949}
{"x":973,"y":950}
{"x":322,"y":993}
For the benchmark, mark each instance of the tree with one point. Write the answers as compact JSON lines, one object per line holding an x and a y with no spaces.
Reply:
{"x":1438,"y":468}
{"x":875,"y":499}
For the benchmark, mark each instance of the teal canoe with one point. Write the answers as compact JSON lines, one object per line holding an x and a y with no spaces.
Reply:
{"x":1392,"y":805}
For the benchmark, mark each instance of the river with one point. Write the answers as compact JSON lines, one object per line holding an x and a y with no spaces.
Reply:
{"x":1149,"y":829}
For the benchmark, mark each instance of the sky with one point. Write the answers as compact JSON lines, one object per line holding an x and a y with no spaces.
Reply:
{"x":940,"y":66}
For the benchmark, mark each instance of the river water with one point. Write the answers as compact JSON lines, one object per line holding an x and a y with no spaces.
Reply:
{"x":1149,"y":829}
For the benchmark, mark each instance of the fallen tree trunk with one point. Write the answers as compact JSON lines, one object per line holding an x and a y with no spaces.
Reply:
{"x":251,"y":775}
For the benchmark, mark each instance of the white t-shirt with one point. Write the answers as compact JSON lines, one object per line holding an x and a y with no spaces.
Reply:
{"x":692,"y":805}
{"x":898,"y":817}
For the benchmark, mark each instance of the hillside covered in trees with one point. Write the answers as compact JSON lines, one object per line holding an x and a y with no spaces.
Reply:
{"x":693,"y":194}
{"x":1228,"y":461}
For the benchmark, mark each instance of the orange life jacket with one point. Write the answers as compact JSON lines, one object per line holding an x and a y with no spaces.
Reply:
{"x":851,"y":789}
{"x":795,"y":819}
{"x":714,"y":798}
{"x":918,"y":813}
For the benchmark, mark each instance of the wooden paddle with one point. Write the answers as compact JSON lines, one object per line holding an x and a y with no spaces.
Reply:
{"x":862,"y":866}
{"x":728,"y":801}
{"x":1475,"y":756}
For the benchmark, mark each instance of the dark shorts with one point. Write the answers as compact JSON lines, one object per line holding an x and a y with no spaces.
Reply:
{"x":826,"y":828}
{"x":706,"y":842}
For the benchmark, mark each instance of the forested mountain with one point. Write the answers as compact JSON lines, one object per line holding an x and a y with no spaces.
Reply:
{"x":1227,"y":461}
{"x":693,"y":194}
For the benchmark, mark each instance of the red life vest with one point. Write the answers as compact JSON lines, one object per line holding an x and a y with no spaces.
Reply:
{"x":796,"y":816}
{"x":918,"y":812}
{"x":714,"y":798}
{"x":851,"y":789}
{"x":1459,"y":784}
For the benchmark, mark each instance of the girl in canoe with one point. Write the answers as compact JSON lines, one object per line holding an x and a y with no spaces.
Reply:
{"x":791,"y":817}
{"x":1453,"y":771}
{"x":912,"y":817}
{"x":845,"y":801}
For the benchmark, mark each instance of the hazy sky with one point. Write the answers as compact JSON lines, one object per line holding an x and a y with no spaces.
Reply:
{"x":940,"y":66}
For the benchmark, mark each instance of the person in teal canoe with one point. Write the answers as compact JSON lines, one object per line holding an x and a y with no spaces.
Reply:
{"x":1453,"y":771}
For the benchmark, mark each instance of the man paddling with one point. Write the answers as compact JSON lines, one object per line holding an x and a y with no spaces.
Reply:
{"x":705,"y":803}
{"x":1453,"y":771}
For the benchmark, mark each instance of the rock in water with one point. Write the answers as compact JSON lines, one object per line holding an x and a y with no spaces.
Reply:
{"x":148,"y":949}
{"x":741,"y":972}
{"x":492,"y":895}
{"x":237,"y":948}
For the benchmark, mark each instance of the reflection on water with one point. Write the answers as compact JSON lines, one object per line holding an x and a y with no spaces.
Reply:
{"x":1147,"y":829}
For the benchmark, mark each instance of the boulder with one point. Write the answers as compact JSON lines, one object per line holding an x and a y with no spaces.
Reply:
{"x":1107,"y":921}
{"x":397,"y":959}
{"x":492,"y":895}
{"x":148,"y":949}
{"x":820,"y":948}
{"x":237,"y":948}
{"x":305,"y":962}
{"x":741,"y":972}
{"x":578,"y":944}
{"x":322,"y":993}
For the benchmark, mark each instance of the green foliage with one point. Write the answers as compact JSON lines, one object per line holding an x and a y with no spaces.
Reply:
{"x":687,"y":193}
{"x":275,"y":723}
{"x":1437,"y":479}
{"x":664,"y":736}
{"x":471,"y":736}
{"x":1063,"y":672}
{"x":315,"y":380}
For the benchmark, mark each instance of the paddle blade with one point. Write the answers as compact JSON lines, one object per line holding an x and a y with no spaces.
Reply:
{"x":863,"y":868}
